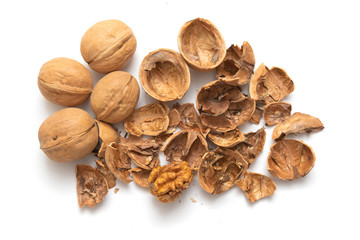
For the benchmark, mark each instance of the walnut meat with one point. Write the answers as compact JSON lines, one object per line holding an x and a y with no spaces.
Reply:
{"x":65,"y":82}
{"x":107,"y":135}
{"x":68,"y":135}
{"x":256,"y":186}
{"x":167,"y":182}
{"x":276,"y":112}
{"x":115,"y":96}
{"x":201,"y":44}
{"x":227,"y":139}
{"x":108,"y":45}
{"x":290,"y":159}
{"x":164,"y":75}
{"x":118,"y":161}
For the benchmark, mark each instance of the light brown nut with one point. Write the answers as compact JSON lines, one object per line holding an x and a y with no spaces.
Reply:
{"x":276,"y":112}
{"x":167,"y":182}
{"x":108,"y":45}
{"x":115,"y":96}
{"x":297,"y":123}
{"x":68,"y":135}
{"x":151,"y":119}
{"x":270,"y":85}
{"x":290,"y":159}
{"x":107,"y":135}
{"x":164,"y":75}
{"x":140,"y":176}
{"x":91,"y":185}
{"x":227,"y":139}
{"x":185,"y":145}
{"x":238,"y":65}
{"x":257,"y":115}
{"x":201,"y":44}
{"x":118,"y":161}
{"x":104,"y":170}
{"x":65,"y":82}
{"x":220,"y":170}
{"x":256,"y":186}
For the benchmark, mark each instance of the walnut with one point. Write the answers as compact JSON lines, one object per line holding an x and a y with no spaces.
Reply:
{"x":104,"y":170}
{"x":256,"y":186}
{"x":118,"y":161}
{"x":276,"y":112}
{"x":167,"y":182}
{"x":91,"y":185}
{"x":297,"y":123}
{"x":107,"y":135}
{"x":290,"y":159}
{"x":257,"y":115}
{"x":140,"y":176}
{"x":238,"y":65}
{"x":220,"y":169}
{"x":227,"y":139}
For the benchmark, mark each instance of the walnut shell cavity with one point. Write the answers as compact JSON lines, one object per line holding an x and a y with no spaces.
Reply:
{"x":276,"y":112}
{"x":65,"y":82}
{"x":271,"y":85}
{"x":238,"y":65}
{"x":107,"y":135}
{"x":140,"y":176}
{"x":108,"y":45}
{"x":118,"y":161}
{"x":201,"y":44}
{"x":115,"y":96}
{"x":227,"y":139}
{"x":256,"y":186}
{"x":68,"y":135}
{"x":297,"y":123}
{"x":220,"y":169}
{"x":104,"y":170}
{"x":151,"y":120}
{"x":185,"y":145}
{"x":91,"y":185}
{"x":164,"y":75}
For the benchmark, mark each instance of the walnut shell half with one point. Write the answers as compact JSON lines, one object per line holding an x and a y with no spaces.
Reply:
{"x":227,"y":139}
{"x":276,"y":112}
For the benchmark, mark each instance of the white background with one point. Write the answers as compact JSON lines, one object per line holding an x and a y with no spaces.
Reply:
{"x":316,"y":42}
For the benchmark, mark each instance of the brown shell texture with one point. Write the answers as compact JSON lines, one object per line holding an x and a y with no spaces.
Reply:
{"x":91,"y":185}
{"x":104,"y":170}
{"x":151,"y":119}
{"x":186,"y":145}
{"x":108,"y":45}
{"x":115,"y":96}
{"x":164,"y":75}
{"x":256,"y":186}
{"x":238,"y":65}
{"x":297,"y":123}
{"x":271,"y":85}
{"x":118,"y":161}
{"x":257,"y":115}
{"x":290,"y":159}
{"x":227,"y":139}
{"x":276,"y":112}
{"x":68,"y":135}
{"x":201,"y":44}
{"x":167,"y":182}
{"x":107,"y":135}
{"x":140,"y":176}
{"x":65,"y":82}
{"x":220,"y":170}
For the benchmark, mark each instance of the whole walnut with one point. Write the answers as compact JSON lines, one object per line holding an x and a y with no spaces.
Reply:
{"x":68,"y":135}
{"x":108,"y":45}
{"x":65,"y":82}
{"x":115,"y":96}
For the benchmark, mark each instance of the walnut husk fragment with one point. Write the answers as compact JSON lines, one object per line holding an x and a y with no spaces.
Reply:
{"x":107,"y":135}
{"x":167,"y":182}
{"x":227,"y":139}
{"x":297,"y":123}
{"x":276,"y":112}
{"x":256,"y":186}
{"x":201,"y":44}
{"x":140,"y":176}
{"x":290,"y":159}
{"x":257,"y":115}
{"x":104,"y":170}
{"x":164,"y":75}
{"x":118,"y":161}
{"x":91,"y":185}
{"x":238,"y":65}
{"x":220,"y":169}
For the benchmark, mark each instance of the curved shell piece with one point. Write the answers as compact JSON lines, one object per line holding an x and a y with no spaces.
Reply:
{"x":256,"y":186}
{"x":227,"y":139}
{"x":276,"y":112}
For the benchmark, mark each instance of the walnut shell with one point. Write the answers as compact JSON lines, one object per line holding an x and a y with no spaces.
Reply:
{"x":227,"y":139}
{"x":107,"y":135}
{"x":104,"y":170}
{"x":256,"y":186}
{"x":164,"y":75}
{"x":290,"y":159}
{"x":140,"y":176}
{"x":108,"y":45}
{"x":276,"y":112}
{"x":65,"y":82}
{"x":201,"y":44}
{"x":118,"y":161}
{"x":68,"y":135}
{"x":115,"y":96}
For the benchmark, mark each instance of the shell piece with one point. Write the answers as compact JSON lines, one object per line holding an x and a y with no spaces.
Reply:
{"x":270,"y":85}
{"x":140,"y":176}
{"x":164,"y":75}
{"x":151,"y":119}
{"x":201,"y":44}
{"x":118,"y":161}
{"x":257,"y":115}
{"x":256,"y":186}
{"x":185,"y":145}
{"x":276,"y":112}
{"x":104,"y":170}
{"x":238,"y":65}
{"x":91,"y":185}
{"x":115,"y":96}
{"x":297,"y":123}
{"x":174,"y":118}
{"x":220,"y":169}
{"x":227,"y":139}
{"x":107,"y":135}
{"x":68,"y":135}
{"x":290,"y":159}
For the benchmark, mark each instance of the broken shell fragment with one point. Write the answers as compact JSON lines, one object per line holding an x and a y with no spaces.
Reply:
{"x":227,"y":139}
{"x":257,"y":115}
{"x":107,"y":135}
{"x":118,"y":161}
{"x":276,"y":112}
{"x":140,"y":176}
{"x":256,"y":186}
{"x":104,"y":170}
